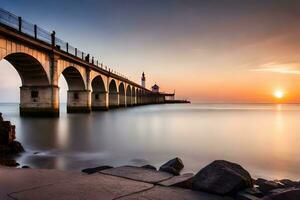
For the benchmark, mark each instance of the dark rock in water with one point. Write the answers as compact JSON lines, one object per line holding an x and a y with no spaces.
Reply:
{"x":184,"y":181}
{"x":16,"y":147}
{"x":259,"y":181}
{"x":253,"y":191}
{"x":96,"y":169}
{"x":149,"y":167}
{"x":9,"y":162}
{"x":8,"y":145}
{"x":289,"y":183}
{"x":245,"y":196}
{"x":249,"y":194}
{"x":265,"y":186}
{"x":35,"y":153}
{"x":173,"y":166}
{"x":25,"y":167}
{"x":284,"y":194}
{"x":222,"y":177}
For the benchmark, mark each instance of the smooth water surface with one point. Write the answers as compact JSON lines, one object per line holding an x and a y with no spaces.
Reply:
{"x":263,"y":138}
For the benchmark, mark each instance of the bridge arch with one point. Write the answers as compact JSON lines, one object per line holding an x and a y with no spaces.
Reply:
{"x":78,"y":97}
{"x":128,"y":96}
{"x":30,"y":70}
{"x":99,"y":94}
{"x":122,"y":100}
{"x":113,"y":94}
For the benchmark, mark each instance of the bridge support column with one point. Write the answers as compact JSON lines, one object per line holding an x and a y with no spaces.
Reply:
{"x":99,"y":101}
{"x":40,"y":101}
{"x":114,"y":100}
{"x":79,"y":101}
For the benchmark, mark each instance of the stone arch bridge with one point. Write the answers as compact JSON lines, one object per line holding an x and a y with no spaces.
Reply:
{"x":41,"y":58}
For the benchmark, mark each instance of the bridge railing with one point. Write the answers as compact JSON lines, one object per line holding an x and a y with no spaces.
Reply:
{"x":38,"y":33}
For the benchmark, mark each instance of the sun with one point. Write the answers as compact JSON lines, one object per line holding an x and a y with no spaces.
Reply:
{"x":278,"y":94}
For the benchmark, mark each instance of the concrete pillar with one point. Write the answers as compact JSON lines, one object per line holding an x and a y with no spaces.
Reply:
{"x":79,"y":101}
{"x":114,"y":100}
{"x":99,"y":100}
{"x":41,"y":101}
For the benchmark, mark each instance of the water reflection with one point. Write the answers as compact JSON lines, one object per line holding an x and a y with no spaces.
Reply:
{"x":261,"y":137}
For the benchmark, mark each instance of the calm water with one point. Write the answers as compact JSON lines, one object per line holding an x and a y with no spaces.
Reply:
{"x":263,"y":138}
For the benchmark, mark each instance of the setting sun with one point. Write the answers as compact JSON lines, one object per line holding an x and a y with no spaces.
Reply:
{"x":278,"y":94}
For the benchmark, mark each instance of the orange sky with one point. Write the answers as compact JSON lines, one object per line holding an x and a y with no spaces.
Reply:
{"x":208,"y":51}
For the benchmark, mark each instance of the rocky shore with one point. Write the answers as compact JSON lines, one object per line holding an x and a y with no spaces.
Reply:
{"x":220,"y":180}
{"x":8,"y":145}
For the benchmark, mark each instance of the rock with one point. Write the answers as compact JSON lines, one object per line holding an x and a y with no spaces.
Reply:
{"x":96,"y":169}
{"x":265,"y":186}
{"x":8,"y":145}
{"x":173,"y":166}
{"x":149,"y":167}
{"x":35,"y":153}
{"x":9,"y":162}
{"x":284,"y":194}
{"x":253,"y":191}
{"x":25,"y":167}
{"x":289,"y":183}
{"x":245,"y":196}
{"x":222,"y":177}
{"x":184,"y":181}
{"x":16,"y":147}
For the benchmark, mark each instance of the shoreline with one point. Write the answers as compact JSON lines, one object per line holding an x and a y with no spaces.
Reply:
{"x":220,"y":180}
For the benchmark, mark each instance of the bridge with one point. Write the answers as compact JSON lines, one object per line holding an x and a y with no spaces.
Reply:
{"x":41,"y":58}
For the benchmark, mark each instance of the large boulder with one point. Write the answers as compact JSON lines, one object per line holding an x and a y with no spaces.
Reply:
{"x":284,"y":194}
{"x":173,"y":166}
{"x":223,"y":178}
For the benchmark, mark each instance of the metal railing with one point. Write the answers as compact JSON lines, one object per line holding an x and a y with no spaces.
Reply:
{"x":38,"y":33}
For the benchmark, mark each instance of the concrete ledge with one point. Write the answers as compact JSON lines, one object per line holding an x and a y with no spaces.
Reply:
{"x":78,"y":109}
{"x":138,"y":174}
{"x":163,"y":193}
{"x":39,"y":112}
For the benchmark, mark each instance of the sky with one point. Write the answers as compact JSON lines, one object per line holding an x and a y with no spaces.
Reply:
{"x":217,"y":51}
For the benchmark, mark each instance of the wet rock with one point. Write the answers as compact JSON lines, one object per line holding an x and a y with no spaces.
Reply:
{"x":149,"y":167}
{"x":284,"y":194}
{"x":173,"y":166}
{"x":184,"y":181}
{"x":96,"y":169}
{"x":265,"y":186}
{"x":289,"y":183}
{"x":222,"y":177}
{"x":35,"y":153}
{"x":246,"y":196}
{"x":8,"y":145}
{"x":25,"y":167}
{"x":253,"y":191}
{"x":9,"y":162}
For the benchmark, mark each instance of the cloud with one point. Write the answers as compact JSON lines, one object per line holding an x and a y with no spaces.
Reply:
{"x":284,"y":68}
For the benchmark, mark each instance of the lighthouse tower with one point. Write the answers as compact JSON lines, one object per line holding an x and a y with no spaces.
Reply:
{"x":143,"y":79}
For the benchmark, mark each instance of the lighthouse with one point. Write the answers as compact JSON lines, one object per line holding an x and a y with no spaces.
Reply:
{"x":143,"y":79}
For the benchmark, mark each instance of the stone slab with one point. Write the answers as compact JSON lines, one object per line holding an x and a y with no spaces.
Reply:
{"x":184,"y":180}
{"x":87,"y":187}
{"x":13,"y":179}
{"x":138,"y":174}
{"x":172,"y":193}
